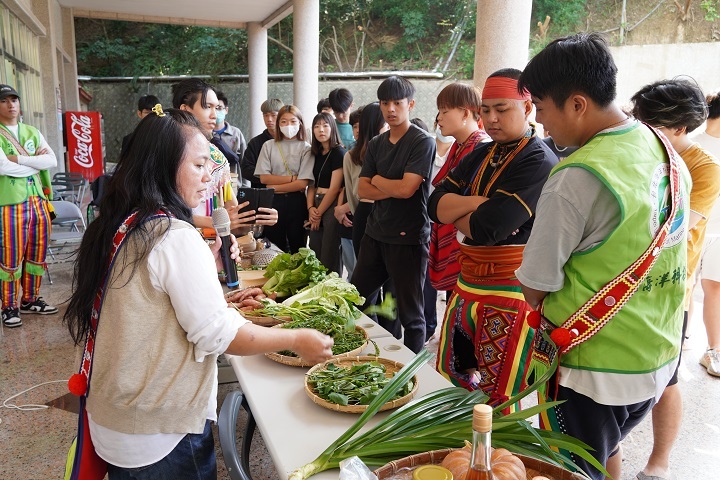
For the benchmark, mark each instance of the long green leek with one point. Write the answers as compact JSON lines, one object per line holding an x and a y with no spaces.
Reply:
{"x":443,"y":419}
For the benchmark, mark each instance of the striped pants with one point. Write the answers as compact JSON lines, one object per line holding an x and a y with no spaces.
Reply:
{"x":24,"y":240}
{"x":485,"y":330}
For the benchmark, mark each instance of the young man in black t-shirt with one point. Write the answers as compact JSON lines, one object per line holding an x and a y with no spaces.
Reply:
{"x":395,"y":175}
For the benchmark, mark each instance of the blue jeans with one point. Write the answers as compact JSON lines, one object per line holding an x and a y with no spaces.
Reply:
{"x":348,"y":255}
{"x":192,"y":459}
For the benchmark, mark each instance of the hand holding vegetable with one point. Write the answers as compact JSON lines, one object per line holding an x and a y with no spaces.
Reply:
{"x":312,"y":345}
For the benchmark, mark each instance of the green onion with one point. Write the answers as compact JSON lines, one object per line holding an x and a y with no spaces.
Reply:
{"x":443,"y":419}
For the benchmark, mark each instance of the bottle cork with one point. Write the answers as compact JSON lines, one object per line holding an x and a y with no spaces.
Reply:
{"x":482,"y":418}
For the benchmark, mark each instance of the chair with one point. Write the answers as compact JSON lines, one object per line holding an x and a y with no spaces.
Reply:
{"x":68,"y":230}
{"x":70,"y":186}
{"x":238,"y":466}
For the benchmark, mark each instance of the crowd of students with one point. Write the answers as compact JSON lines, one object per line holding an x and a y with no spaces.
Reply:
{"x":599,"y":246}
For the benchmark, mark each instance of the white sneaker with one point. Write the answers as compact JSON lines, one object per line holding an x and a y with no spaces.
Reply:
{"x":711,"y":361}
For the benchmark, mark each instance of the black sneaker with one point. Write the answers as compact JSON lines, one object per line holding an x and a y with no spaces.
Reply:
{"x":38,"y":306}
{"x":11,"y":317}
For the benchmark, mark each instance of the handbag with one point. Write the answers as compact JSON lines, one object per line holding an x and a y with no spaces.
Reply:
{"x":83,"y":463}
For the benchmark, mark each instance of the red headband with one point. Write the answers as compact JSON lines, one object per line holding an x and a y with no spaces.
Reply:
{"x":503,"y":87}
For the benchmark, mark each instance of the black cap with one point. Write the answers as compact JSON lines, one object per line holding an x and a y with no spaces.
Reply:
{"x":6,"y":91}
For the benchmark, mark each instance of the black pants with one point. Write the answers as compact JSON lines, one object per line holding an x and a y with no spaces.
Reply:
{"x":430,"y":309}
{"x":406,"y":266}
{"x":360,"y":218}
{"x":326,"y":241}
{"x":289,"y":232}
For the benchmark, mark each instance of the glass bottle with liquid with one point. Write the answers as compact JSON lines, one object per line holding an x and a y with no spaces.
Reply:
{"x":480,"y":468}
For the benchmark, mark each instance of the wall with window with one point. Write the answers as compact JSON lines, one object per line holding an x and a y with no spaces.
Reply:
{"x":20,"y":50}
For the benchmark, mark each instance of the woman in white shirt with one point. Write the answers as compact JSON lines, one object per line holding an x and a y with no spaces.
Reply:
{"x":285,"y":164}
{"x":164,"y":319}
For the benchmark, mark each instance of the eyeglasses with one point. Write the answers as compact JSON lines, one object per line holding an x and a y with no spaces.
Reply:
{"x":220,"y":108}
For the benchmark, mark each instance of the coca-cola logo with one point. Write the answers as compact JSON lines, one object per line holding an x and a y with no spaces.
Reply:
{"x":80,"y":128}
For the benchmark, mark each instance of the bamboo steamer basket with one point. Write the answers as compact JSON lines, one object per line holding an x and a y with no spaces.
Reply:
{"x":435,"y":457}
{"x":391,"y":367}
{"x":299,"y":362}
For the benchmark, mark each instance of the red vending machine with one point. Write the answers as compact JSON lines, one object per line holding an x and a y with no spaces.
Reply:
{"x":83,"y":135}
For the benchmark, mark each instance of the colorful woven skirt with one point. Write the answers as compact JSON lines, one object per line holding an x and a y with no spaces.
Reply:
{"x":485,"y":329}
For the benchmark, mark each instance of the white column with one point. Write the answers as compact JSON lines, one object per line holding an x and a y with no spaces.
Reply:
{"x":258,"y":72}
{"x":502,"y":36}
{"x":306,"y":47}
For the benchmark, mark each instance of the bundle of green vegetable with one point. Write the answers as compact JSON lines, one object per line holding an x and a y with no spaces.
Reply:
{"x":443,"y":419}
{"x":289,"y":273}
{"x":331,"y":295}
{"x":346,"y":338}
{"x":355,"y":385}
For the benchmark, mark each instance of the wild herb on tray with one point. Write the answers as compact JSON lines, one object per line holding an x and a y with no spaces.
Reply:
{"x":334,"y":326}
{"x":354,"y":385}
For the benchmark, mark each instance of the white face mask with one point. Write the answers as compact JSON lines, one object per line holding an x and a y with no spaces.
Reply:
{"x":442,"y":138}
{"x":290,"y":130}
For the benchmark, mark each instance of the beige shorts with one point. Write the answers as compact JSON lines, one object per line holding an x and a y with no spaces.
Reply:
{"x":709,"y":268}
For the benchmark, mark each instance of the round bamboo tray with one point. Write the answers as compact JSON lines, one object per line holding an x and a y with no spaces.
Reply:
{"x":391,"y":367}
{"x":299,"y":362}
{"x":534,"y":467}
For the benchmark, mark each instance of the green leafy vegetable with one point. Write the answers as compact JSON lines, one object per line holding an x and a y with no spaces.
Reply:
{"x":333,"y":294}
{"x":334,"y":326}
{"x":289,"y":273}
{"x":353,"y":385}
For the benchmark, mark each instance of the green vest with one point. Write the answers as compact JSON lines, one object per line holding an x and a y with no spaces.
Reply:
{"x":14,"y":190}
{"x":645,"y":334}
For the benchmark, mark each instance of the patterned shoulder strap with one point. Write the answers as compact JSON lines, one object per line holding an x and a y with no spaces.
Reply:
{"x":610,"y":299}
{"x":14,"y":141}
{"x":79,"y":383}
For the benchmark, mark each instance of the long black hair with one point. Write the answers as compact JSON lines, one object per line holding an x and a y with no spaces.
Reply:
{"x":144,"y":181}
{"x":371,"y":121}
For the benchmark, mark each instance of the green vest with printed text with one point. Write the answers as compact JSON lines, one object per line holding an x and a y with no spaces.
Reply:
{"x":14,"y":190}
{"x":645,"y":334}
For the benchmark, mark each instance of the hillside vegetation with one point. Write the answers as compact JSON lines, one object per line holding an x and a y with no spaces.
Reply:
{"x":367,"y":35}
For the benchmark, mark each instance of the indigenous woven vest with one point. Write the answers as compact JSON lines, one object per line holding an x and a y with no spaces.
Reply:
{"x":14,"y":190}
{"x":633,"y":165}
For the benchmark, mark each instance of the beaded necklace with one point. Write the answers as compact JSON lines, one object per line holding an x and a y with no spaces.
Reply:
{"x":498,"y":158}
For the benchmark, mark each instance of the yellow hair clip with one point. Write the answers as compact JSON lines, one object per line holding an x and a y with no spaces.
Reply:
{"x":157,"y":109}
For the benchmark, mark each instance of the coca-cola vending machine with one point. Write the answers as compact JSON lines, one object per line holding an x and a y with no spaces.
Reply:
{"x":83,"y":136}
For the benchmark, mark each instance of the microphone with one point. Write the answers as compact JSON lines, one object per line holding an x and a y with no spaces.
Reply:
{"x":221,"y":224}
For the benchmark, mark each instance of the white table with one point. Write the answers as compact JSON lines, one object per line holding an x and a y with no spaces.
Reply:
{"x":295,"y":429}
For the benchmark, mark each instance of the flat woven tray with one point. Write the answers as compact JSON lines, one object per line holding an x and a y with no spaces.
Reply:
{"x":391,"y":367}
{"x":299,"y":362}
{"x":266,"y":321}
{"x":534,"y":467}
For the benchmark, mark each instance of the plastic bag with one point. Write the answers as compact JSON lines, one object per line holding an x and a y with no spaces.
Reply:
{"x":354,"y":469}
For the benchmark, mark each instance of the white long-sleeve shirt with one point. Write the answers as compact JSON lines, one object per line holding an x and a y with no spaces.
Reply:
{"x":27,"y":165}
{"x":182,"y":266}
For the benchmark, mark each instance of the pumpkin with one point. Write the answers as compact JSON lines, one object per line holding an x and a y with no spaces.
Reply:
{"x":505,"y":465}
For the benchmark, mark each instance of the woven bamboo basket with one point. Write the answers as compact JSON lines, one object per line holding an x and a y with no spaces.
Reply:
{"x":534,"y":467}
{"x":299,"y":362}
{"x":391,"y":367}
{"x":263,"y":321}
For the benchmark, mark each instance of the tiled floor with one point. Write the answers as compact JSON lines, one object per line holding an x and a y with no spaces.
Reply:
{"x":33,"y":444}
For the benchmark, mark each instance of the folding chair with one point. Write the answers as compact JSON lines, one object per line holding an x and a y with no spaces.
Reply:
{"x":238,"y":464}
{"x":76,"y":181}
{"x":68,"y":230}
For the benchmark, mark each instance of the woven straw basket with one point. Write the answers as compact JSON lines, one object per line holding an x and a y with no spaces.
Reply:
{"x":258,"y":320}
{"x":391,"y":367}
{"x":534,"y":467}
{"x":299,"y":362}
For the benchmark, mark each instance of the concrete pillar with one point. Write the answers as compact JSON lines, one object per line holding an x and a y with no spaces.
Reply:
{"x":52,"y":92}
{"x":502,"y":36}
{"x":72,"y":94}
{"x":306,"y":57}
{"x":258,"y":72}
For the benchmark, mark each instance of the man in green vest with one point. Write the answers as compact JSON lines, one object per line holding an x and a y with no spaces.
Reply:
{"x":24,"y":214}
{"x":599,"y":212}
